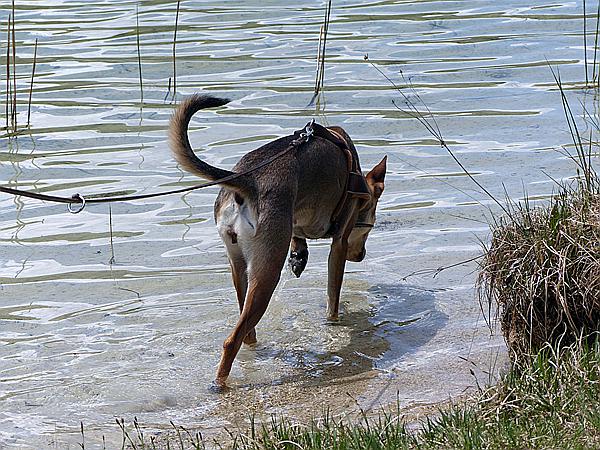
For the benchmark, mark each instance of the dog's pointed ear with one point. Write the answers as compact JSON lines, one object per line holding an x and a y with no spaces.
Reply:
{"x":376,"y":177}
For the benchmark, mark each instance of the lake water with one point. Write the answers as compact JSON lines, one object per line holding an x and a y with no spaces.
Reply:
{"x":84,"y":340}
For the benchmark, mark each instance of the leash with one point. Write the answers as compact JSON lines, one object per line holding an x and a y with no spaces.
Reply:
{"x":304,"y":136}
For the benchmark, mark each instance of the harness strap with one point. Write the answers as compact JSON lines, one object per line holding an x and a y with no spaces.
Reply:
{"x":356,"y":185}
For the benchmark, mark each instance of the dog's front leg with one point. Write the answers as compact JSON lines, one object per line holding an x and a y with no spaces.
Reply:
{"x":298,"y":256}
{"x":336,"y":265}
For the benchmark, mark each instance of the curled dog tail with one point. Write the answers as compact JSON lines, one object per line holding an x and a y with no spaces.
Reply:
{"x":182,"y":150}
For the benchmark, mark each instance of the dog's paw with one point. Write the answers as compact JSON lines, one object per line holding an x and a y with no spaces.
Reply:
{"x":297,"y":261}
{"x":333,"y":319}
{"x":218,"y":387}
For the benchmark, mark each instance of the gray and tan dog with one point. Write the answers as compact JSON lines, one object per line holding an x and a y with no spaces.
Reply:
{"x":314,"y":191}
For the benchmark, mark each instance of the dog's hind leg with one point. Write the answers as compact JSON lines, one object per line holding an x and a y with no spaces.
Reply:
{"x":298,"y":255}
{"x":239,"y":273}
{"x":264,"y":270}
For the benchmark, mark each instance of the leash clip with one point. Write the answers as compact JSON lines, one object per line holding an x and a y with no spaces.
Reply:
{"x":308,"y":131}
{"x":78,"y":198}
{"x":304,"y":135}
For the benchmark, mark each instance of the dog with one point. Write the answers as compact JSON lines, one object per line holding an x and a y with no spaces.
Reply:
{"x":305,"y":186}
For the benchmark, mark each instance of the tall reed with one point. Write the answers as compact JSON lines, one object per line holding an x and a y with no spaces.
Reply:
{"x":7,"y":74}
{"x":174,"y":53}
{"x":585,"y":43}
{"x":31,"y":83}
{"x":595,"y":78}
{"x":11,"y":125}
{"x":320,"y":76}
{"x":139,"y":53}
{"x":14,"y":70}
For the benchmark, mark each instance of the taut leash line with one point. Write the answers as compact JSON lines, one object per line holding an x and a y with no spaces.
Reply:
{"x":303,"y":136}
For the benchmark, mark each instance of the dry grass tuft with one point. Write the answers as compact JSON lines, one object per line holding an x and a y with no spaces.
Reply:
{"x":542,"y":269}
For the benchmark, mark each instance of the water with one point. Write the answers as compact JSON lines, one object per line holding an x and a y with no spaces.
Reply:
{"x":81,"y":340}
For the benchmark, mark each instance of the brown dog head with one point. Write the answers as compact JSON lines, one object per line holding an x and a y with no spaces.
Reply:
{"x":358,"y":236}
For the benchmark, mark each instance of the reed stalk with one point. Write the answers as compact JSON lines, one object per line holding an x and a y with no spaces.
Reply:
{"x":139,"y":53}
{"x":31,"y":84}
{"x":594,"y":77}
{"x":320,"y":77}
{"x":111,"y":261}
{"x":8,"y":93}
{"x":318,"y":60}
{"x":585,"y":43}
{"x":14,"y":71}
{"x":174,"y":53}
{"x":81,"y":430}
{"x":168,"y":90}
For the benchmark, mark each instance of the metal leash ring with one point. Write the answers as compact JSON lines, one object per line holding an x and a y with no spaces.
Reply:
{"x":81,"y":199}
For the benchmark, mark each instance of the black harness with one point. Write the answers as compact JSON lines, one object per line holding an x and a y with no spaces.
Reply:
{"x":356,"y":185}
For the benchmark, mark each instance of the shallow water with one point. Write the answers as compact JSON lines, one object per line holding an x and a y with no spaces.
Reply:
{"x":84,"y":340}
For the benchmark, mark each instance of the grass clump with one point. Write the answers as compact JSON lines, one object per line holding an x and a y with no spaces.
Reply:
{"x":542,"y":269}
